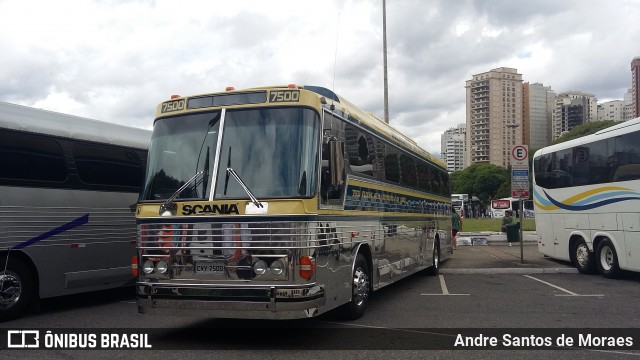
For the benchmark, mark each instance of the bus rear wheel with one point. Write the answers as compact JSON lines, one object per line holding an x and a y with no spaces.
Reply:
{"x":583,"y":259}
{"x":16,"y":289}
{"x":360,"y":289}
{"x":607,"y":259}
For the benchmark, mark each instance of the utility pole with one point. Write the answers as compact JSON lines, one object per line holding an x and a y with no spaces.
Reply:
{"x":384,"y":45}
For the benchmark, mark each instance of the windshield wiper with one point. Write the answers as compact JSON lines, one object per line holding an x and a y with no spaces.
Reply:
{"x":253,"y":198}
{"x":169,"y":205}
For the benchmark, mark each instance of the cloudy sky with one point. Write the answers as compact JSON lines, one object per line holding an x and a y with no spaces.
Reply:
{"x":116,"y":60}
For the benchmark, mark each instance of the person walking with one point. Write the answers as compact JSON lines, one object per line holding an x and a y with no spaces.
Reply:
{"x":506,"y":220}
{"x":456,"y":225}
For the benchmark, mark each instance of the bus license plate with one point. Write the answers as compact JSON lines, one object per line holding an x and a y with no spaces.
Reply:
{"x":209,"y":267}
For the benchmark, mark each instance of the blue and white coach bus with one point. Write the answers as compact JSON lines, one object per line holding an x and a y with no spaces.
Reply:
{"x":587,"y":200}
{"x":66,"y":187}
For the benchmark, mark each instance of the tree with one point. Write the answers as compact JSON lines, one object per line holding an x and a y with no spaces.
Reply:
{"x":483,"y":180}
{"x":584,"y":129}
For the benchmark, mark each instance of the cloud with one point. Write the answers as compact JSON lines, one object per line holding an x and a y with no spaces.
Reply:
{"x":116,"y":61}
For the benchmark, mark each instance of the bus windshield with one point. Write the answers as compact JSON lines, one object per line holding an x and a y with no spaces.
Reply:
{"x":274,"y":151}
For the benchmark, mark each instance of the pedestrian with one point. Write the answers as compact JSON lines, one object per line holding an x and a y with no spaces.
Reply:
{"x":506,"y":220}
{"x":456,"y":225}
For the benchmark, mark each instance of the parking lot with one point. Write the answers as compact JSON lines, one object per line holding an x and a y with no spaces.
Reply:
{"x":480,"y":290}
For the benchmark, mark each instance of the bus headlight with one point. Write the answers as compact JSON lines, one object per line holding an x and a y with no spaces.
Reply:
{"x":260,"y":267}
{"x":277,"y":267}
{"x":162,"y":267}
{"x":147,"y":267}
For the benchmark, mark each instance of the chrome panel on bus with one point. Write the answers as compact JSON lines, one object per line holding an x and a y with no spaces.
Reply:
{"x":205,"y":263}
{"x":73,"y":248}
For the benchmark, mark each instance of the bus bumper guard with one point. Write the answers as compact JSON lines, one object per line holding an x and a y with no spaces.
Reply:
{"x":267,"y":302}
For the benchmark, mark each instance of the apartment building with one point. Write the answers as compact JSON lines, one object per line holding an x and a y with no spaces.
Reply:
{"x":453,"y":147}
{"x":494,"y":103}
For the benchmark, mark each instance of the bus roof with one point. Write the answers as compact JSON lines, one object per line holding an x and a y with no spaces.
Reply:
{"x":366,"y":120}
{"x":24,"y":118}
{"x":612,"y":131}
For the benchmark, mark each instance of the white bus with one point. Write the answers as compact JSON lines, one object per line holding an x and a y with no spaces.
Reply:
{"x":500,"y":206}
{"x":460,"y":202}
{"x":66,"y":185}
{"x":587,"y":200}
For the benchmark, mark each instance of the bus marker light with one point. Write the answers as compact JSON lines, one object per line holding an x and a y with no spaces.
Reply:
{"x":292,"y":86}
{"x":174,"y":96}
{"x":229,"y":88}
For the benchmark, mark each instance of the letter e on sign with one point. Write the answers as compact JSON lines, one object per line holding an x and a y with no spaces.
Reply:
{"x":520,"y":157}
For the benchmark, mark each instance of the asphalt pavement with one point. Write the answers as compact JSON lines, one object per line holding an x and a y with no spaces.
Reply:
{"x":490,"y":253}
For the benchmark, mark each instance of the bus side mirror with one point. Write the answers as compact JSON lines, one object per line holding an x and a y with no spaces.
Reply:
{"x":336,"y":161}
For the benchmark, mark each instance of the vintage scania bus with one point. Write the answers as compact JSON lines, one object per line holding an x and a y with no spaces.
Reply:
{"x":283,"y":202}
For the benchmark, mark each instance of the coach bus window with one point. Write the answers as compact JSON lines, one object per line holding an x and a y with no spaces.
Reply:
{"x":31,"y":157}
{"x":627,"y":153}
{"x":391,"y":165}
{"x":408,"y":169}
{"x":357,"y":148}
{"x":424,"y":180}
{"x":108,"y":165}
{"x":274,"y":151}
{"x":181,"y":147}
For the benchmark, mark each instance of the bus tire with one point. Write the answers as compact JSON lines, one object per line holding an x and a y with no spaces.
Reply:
{"x":582,"y":258}
{"x":360,"y":289}
{"x":607,"y":259}
{"x":434,"y":269}
{"x":17,"y":289}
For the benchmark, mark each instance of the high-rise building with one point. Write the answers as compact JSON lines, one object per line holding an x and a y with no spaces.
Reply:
{"x":628,"y":105}
{"x":611,"y":110}
{"x":539,"y":101}
{"x":573,"y":108}
{"x":494,"y":116}
{"x":635,"y":86}
{"x":453,"y":147}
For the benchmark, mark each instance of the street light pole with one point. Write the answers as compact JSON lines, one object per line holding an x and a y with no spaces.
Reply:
{"x":384,"y":52}
{"x":521,"y":206}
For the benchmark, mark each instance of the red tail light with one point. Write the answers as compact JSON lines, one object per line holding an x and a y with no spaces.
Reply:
{"x":307,"y":267}
{"x":134,"y":266}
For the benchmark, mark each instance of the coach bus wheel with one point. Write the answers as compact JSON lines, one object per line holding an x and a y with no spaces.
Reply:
{"x":16,"y":289}
{"x":582,"y":258}
{"x":607,"y":259}
{"x":434,"y":269}
{"x":360,"y":289}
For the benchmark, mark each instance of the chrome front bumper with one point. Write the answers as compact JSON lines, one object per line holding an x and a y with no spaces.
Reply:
{"x":244,"y":302}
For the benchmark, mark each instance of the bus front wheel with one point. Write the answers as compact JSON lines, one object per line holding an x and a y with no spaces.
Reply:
{"x":360,"y":288}
{"x":16,"y":288}
{"x":582,"y":258}
{"x":607,"y":259}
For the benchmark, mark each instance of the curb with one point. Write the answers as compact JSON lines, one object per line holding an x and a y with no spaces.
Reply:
{"x":485,"y":271}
